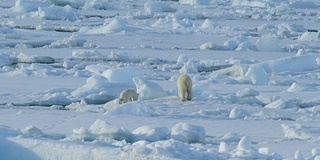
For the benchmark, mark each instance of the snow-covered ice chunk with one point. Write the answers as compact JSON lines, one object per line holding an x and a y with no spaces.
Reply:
{"x":172,"y":22}
{"x":88,"y":55}
{"x":197,"y":2}
{"x":299,"y":87}
{"x":298,"y":155}
{"x":269,"y":44}
{"x":157,"y":6}
{"x":283,"y":104}
{"x":148,"y":90}
{"x":288,"y":64}
{"x":250,"y":3}
{"x":247,"y":92}
{"x":246,"y":46}
{"x":72,"y":41}
{"x":188,"y":133}
{"x":98,"y":90}
{"x":150,"y":133}
{"x":73,"y":3}
{"x":208,"y":46}
{"x":257,"y":74}
{"x":35,"y":132}
{"x":83,"y":134}
{"x":238,"y":113}
{"x":29,"y":5}
{"x":309,"y":37}
{"x":182,"y":59}
{"x":56,"y":13}
{"x":244,"y":143}
{"x":125,"y":75}
{"x":209,"y":24}
{"x":98,"y":4}
{"x":103,"y":130}
{"x":299,"y":131}
{"x":115,"y":26}
{"x":189,"y":67}
{"x":234,"y":42}
{"x":223,"y":147}
{"x":23,"y":58}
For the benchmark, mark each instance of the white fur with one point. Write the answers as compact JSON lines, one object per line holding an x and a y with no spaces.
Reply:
{"x":184,"y":86}
{"x":128,"y":95}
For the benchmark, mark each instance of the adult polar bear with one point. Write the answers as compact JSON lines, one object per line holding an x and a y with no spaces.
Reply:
{"x":184,"y":85}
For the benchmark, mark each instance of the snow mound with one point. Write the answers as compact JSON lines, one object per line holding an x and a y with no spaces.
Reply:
{"x":29,"y":5}
{"x":22,"y":58}
{"x":98,"y":4}
{"x":245,"y":150}
{"x":150,"y":134}
{"x":157,"y":6}
{"x":87,"y":55}
{"x":188,"y":133}
{"x":189,"y":67}
{"x":298,"y":87}
{"x":283,"y":104}
{"x":233,"y":43}
{"x":126,"y":75}
{"x":309,"y":37}
{"x":72,"y":41}
{"x":98,"y":90}
{"x":209,"y":24}
{"x":299,"y":131}
{"x":257,"y":74}
{"x":238,"y":113}
{"x":73,"y":3}
{"x":195,"y":2}
{"x":56,"y":13}
{"x":286,"y":64}
{"x":103,"y":129}
{"x":182,"y":59}
{"x":247,"y":92}
{"x":115,"y":26}
{"x":172,"y":22}
{"x":249,"y":3}
{"x":269,"y":44}
{"x":148,"y":90}
{"x":208,"y":46}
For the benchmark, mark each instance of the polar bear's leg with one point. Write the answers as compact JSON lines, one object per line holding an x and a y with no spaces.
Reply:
{"x":189,"y":91}
{"x":181,"y":94}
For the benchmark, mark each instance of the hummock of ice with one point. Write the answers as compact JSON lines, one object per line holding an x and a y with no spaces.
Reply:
{"x":116,"y":25}
{"x":100,"y":129}
{"x":148,"y":90}
{"x":125,"y":75}
{"x":193,"y":2}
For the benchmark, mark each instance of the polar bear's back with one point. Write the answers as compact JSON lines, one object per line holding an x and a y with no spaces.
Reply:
{"x":184,"y":79}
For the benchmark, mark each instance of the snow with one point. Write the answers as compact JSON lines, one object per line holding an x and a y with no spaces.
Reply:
{"x":254,"y":66}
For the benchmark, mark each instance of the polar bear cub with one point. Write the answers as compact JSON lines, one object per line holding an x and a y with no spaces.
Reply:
{"x":184,"y":85}
{"x":128,"y":95}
